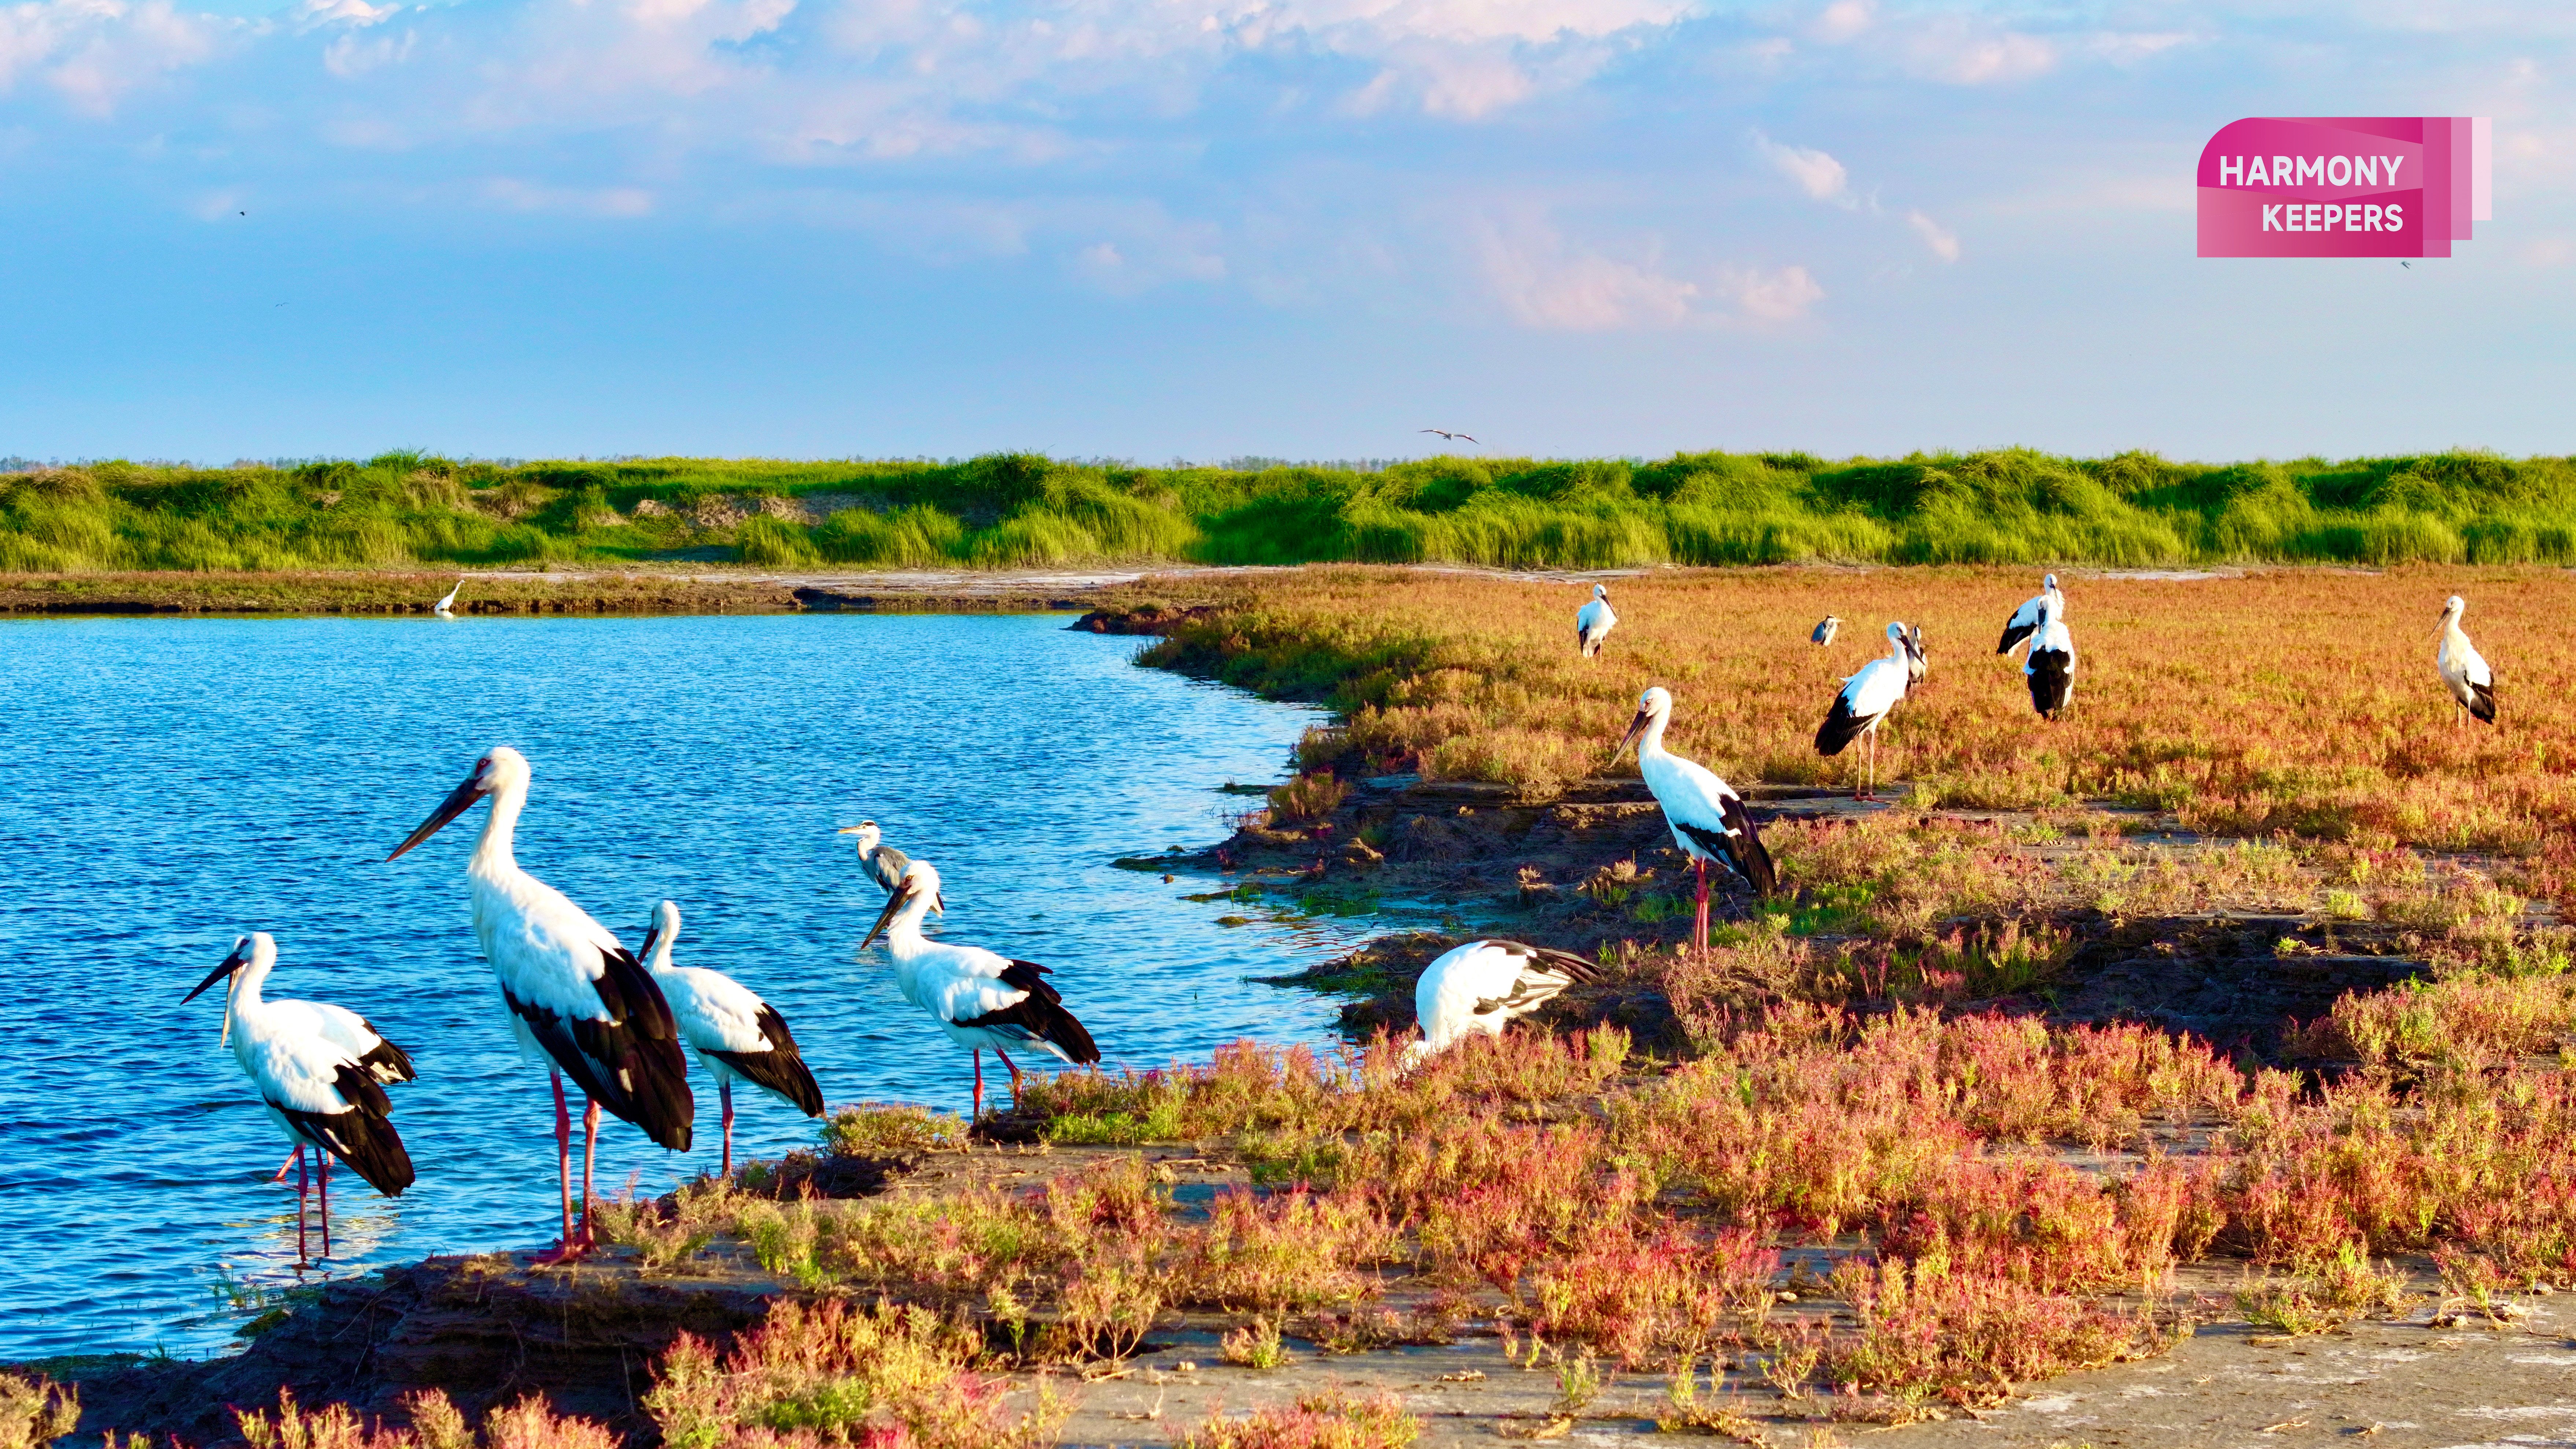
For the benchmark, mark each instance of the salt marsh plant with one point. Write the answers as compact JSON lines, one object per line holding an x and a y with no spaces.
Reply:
{"x":1328,"y":1419}
{"x":436,"y":1424}
{"x":2188,"y":707}
{"x":35,"y":1411}
{"x":840,"y":1374}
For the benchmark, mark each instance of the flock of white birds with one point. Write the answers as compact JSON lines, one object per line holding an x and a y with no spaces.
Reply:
{"x":1482,"y":985}
{"x":621,"y":1023}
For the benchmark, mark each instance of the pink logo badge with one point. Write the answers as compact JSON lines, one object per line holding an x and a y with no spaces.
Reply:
{"x":2343,"y":186}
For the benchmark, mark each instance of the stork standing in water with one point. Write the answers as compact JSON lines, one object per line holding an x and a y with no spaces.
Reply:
{"x":446,"y":607}
{"x":2050,"y":666}
{"x":1864,"y":703}
{"x":739,"y":1036}
{"x":882,"y":862}
{"x":1706,"y":816}
{"x":1593,"y":622}
{"x":980,"y":998}
{"x":2464,"y":670}
{"x":576,"y":995}
{"x":337,"y":1025}
{"x":1825,"y":631}
{"x":1483,"y":984}
{"x":2025,"y":620}
{"x":319,"y":1091}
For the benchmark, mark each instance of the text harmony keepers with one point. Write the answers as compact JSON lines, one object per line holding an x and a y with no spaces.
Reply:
{"x":2309,"y":170}
{"x":2326,"y":216}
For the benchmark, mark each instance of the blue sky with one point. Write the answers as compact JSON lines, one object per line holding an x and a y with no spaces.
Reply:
{"x":1202,"y":228}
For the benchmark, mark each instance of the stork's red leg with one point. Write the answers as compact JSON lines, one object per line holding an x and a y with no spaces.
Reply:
{"x":322,"y":1174}
{"x":1699,"y":923}
{"x":1015,"y":1074}
{"x":589,"y":1161}
{"x":978,"y":1055}
{"x":300,"y":1256}
{"x":724,"y":1091}
{"x":563,"y":1248}
{"x":287,"y":1166}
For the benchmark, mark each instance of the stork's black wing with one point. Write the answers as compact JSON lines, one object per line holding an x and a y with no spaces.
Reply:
{"x":631,"y":1063}
{"x":782,"y":1068}
{"x":363,"y":1136}
{"x":1040,"y":1013}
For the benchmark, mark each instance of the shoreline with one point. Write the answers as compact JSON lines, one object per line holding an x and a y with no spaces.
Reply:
{"x":530,"y":592}
{"x":697,"y":589}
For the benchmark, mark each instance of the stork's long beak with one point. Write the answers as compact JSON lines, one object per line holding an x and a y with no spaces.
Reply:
{"x":894,"y":903}
{"x":457,"y":803}
{"x":1636,"y":727}
{"x":232,"y":963}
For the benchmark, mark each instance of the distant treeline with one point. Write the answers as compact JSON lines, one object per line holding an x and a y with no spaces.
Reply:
{"x":2011,"y":506}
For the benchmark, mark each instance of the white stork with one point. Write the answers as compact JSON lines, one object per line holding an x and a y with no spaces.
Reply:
{"x":1593,"y":623}
{"x":2050,"y":666}
{"x":2025,"y":620}
{"x":1917,"y":663}
{"x":2464,"y":670}
{"x":319,"y":1091}
{"x":575,"y":994}
{"x":1705,"y":814}
{"x":1825,"y":631}
{"x":881,"y":861}
{"x":980,"y":998}
{"x":1862,"y":706}
{"x":1483,"y":984}
{"x":337,"y":1025}
{"x":446,"y":607}
{"x":739,"y":1036}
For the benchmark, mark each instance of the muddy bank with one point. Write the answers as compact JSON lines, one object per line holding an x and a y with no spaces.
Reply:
{"x":485,"y":1330}
{"x":1594,"y":870}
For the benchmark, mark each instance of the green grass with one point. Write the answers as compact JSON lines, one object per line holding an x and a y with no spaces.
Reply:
{"x":1017,"y":510}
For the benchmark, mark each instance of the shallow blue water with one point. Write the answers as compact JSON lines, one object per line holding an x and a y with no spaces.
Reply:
{"x":168,"y":784}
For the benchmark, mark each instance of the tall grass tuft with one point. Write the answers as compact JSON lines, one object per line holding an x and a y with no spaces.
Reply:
{"x":2007,"y":506}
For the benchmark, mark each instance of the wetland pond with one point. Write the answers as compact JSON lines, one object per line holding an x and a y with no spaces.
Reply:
{"x":170,"y":784}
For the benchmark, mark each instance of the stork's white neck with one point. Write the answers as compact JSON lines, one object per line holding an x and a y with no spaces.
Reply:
{"x":903,"y":934}
{"x":1652,"y":741}
{"x":241,"y":994}
{"x":245,"y":993}
{"x":492,"y":854}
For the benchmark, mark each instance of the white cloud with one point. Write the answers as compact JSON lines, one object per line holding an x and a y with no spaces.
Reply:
{"x":1843,"y":20}
{"x":1777,"y":296}
{"x":1943,"y":241}
{"x":515,"y":194}
{"x":350,"y":56}
{"x":2127,"y":47}
{"x":94,"y":52}
{"x":1964,"y":52}
{"x":1547,"y":284}
{"x":309,"y":14}
{"x":1817,"y":174}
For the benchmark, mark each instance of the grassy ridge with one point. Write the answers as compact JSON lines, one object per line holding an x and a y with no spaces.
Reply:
{"x":1006,"y":510}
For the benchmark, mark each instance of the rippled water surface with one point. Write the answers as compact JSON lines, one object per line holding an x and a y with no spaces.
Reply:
{"x":168,"y":784}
